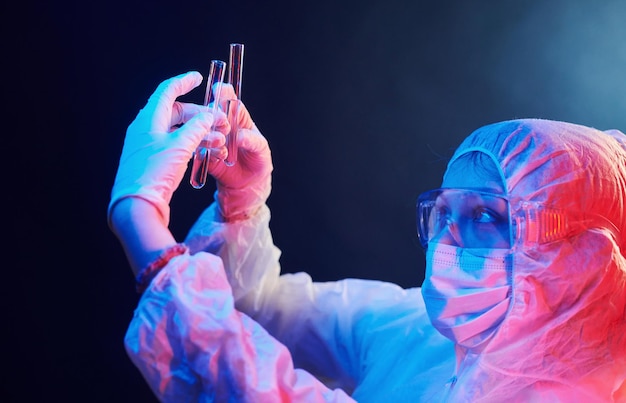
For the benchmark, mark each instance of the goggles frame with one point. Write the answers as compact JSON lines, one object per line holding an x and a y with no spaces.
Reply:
{"x":532,"y":224}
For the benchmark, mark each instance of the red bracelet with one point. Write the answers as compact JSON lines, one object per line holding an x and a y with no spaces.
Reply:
{"x":146,"y":275}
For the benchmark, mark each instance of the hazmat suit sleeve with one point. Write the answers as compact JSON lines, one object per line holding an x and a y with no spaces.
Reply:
{"x":326,"y":326}
{"x":191,"y":345}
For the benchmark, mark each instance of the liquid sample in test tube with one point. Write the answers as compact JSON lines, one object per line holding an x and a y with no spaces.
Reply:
{"x":235,"y":75}
{"x":202,"y":155}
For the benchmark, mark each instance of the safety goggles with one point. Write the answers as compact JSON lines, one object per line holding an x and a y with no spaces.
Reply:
{"x":474,"y":219}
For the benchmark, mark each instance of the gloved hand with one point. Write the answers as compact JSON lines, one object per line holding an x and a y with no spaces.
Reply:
{"x":156,"y":151}
{"x":244,"y":187}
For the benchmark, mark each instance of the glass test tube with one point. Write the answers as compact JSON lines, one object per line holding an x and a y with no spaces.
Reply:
{"x":235,"y":74}
{"x":200,"y":165}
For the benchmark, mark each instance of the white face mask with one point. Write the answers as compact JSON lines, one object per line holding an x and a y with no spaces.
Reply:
{"x":467,"y":291}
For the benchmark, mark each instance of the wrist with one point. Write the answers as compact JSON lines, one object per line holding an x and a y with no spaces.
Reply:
{"x":141,"y":230}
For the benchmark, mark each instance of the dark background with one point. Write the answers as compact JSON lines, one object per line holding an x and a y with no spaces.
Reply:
{"x":362,"y":103}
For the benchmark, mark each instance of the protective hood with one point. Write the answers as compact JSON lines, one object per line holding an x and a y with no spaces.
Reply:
{"x":564,"y":336}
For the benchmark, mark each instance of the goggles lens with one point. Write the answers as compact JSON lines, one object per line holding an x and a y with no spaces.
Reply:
{"x":474,"y":219}
{"x":465,"y":218}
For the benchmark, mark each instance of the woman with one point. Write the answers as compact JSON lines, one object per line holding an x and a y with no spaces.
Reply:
{"x":525,"y":275}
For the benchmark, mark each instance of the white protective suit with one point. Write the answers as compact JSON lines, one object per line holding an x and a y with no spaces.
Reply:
{"x":562,"y":339}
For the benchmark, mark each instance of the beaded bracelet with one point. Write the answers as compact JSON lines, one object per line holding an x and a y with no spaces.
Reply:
{"x":146,"y":275}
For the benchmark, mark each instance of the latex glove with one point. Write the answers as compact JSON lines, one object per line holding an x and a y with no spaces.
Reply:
{"x":156,"y":151}
{"x":244,"y":187}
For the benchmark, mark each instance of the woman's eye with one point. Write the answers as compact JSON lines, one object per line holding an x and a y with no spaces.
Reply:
{"x":483,"y":215}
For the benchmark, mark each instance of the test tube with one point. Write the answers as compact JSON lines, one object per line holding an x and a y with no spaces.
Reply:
{"x":202,"y":155}
{"x":235,"y":74}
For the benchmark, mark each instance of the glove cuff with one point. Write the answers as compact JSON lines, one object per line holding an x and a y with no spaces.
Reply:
{"x":162,"y":208}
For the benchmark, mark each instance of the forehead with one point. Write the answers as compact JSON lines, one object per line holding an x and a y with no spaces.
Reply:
{"x":474,"y":170}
